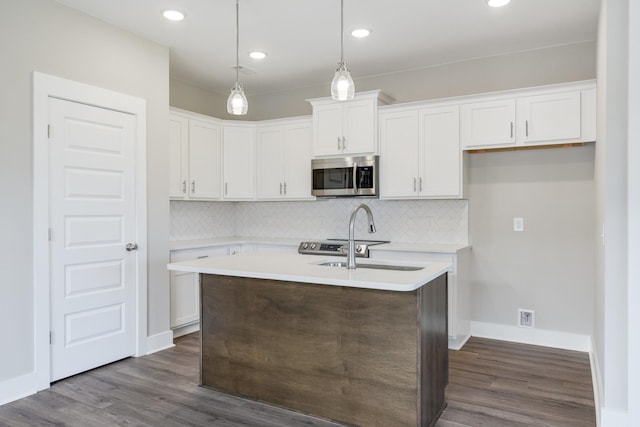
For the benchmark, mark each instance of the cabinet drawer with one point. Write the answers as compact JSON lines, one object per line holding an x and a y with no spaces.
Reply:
{"x":191,"y":254}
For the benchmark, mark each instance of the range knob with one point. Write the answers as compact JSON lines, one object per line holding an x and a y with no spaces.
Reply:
{"x":305,"y":245}
{"x":313,"y":246}
{"x":359,"y":248}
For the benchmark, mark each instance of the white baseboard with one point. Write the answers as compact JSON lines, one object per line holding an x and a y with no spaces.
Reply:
{"x":542,"y":337}
{"x":17,"y":388}
{"x":596,"y":380}
{"x":184,"y":330}
{"x":458,"y":342}
{"x":159,"y":342}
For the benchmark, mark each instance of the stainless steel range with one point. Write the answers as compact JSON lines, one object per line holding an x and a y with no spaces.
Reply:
{"x":337,"y":247}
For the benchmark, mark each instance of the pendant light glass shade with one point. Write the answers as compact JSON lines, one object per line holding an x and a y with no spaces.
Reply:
{"x":342,"y":86}
{"x":237,"y":102}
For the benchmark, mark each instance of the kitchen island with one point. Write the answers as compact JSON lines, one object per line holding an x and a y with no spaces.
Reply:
{"x":365,"y":347}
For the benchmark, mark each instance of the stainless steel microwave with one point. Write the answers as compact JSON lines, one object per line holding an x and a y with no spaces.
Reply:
{"x":345,"y":176}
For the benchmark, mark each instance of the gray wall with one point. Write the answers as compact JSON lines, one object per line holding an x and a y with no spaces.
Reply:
{"x":548,"y":267}
{"x":531,"y":68}
{"x":552,"y":188}
{"x":43,"y":36}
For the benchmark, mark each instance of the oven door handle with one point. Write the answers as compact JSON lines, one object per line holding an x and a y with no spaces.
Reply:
{"x":355,"y":178}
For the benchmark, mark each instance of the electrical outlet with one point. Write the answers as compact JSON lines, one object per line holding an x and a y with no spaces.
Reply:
{"x":518,"y":224}
{"x":526,"y":318}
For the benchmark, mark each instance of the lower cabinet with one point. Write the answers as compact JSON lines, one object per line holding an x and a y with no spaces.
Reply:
{"x":185,"y":295}
{"x":459,"y":292}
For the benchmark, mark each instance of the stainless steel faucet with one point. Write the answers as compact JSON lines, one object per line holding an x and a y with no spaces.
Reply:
{"x":351,"y":255}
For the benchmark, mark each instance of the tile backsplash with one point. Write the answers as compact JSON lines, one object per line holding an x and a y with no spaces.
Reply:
{"x":410,"y":221}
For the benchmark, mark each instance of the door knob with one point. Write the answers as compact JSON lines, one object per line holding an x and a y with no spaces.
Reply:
{"x":131,"y":247}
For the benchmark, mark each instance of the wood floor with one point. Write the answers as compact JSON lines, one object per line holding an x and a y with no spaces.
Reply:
{"x":491,"y":383}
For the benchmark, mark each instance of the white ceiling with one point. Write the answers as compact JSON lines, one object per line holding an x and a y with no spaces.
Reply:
{"x":302,"y":37}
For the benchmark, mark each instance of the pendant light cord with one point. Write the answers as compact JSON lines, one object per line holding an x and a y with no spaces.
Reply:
{"x":341,"y":32}
{"x":237,"y":40}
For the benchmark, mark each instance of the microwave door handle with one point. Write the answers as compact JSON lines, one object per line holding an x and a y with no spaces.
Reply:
{"x":355,"y":178}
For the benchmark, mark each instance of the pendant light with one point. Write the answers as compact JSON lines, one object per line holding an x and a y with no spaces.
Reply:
{"x":342,"y":87}
{"x":237,"y":103}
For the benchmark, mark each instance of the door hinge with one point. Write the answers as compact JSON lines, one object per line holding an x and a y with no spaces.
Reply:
{"x":50,"y":337}
{"x":49,"y":131}
{"x":50,"y":234}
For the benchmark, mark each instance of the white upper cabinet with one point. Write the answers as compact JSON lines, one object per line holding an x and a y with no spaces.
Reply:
{"x":346,"y":127}
{"x":239,"y":162}
{"x":558,"y":114}
{"x":441,"y":157}
{"x":489,"y":123}
{"x":204,"y":160}
{"x":178,"y":156}
{"x":399,"y":158}
{"x":549,"y":117}
{"x":283,"y":155}
{"x":195,"y":155}
{"x":420,"y":153}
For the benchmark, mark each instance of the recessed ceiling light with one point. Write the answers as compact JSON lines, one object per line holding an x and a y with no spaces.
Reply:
{"x":360,"y":33}
{"x":498,"y":3}
{"x":258,"y":55}
{"x":173,"y":15}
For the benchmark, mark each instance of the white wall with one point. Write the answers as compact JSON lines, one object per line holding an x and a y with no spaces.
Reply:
{"x":611,"y":321}
{"x":41,"y":35}
{"x":633,"y":197}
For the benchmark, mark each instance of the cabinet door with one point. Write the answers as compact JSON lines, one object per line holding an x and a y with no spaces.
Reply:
{"x":185,"y":299}
{"x":270,"y":163}
{"x":359,"y":126}
{"x":297,"y":161}
{"x":178,"y":156}
{"x":545,"y":118}
{"x":185,"y":287}
{"x":327,"y":124}
{"x":490,"y":123}
{"x":204,"y":160}
{"x":440,"y":152}
{"x":239,"y":162}
{"x":399,"y":155}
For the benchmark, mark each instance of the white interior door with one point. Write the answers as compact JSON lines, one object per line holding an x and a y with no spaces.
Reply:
{"x":92,"y":218}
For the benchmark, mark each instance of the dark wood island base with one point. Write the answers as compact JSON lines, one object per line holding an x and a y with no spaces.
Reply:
{"x":359,"y":356}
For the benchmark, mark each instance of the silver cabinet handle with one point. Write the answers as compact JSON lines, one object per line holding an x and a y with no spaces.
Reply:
{"x":338,"y":143}
{"x":184,"y":186}
{"x":420,"y":183}
{"x":414,"y":184}
{"x":526,"y":128}
{"x":193,"y":186}
{"x":226,"y":188}
{"x":344,"y":143}
{"x":131,"y":247}
{"x":280,"y":188}
{"x":285,"y":188}
{"x":511,"y":129}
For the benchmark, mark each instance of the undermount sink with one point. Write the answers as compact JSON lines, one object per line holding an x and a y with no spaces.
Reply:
{"x":373,"y":266}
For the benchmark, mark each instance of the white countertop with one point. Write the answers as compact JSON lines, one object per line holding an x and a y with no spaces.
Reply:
{"x":394,"y":246}
{"x":305,"y":268}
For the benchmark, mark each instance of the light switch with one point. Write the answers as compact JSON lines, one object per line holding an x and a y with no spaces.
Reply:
{"x":518,"y":224}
